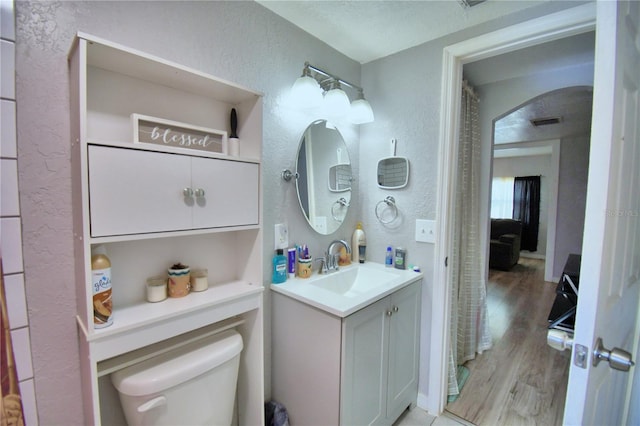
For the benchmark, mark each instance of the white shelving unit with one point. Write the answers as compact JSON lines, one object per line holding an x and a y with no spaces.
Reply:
{"x":140,"y":218}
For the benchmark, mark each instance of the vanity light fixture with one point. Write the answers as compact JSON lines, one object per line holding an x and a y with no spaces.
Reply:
{"x":306,"y":90}
{"x":316,"y":86}
{"x":336,"y":101}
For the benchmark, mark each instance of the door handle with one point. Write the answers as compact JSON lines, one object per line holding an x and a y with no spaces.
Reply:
{"x":559,"y":340}
{"x":619,"y":359}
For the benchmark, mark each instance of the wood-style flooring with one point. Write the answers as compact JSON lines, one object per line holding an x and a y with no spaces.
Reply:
{"x":521,"y":380}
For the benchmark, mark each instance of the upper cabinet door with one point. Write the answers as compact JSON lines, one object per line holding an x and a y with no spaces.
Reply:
{"x":226,"y":193}
{"x":134,"y":192}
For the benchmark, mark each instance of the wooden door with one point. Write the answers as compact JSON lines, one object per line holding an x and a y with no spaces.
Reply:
{"x":609,"y":277}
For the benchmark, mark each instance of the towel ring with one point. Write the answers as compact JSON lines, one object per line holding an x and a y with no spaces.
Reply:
{"x":391,"y":203}
{"x":342,"y":202}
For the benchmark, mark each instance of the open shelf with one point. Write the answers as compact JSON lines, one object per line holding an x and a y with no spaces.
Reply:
{"x":113,"y":57}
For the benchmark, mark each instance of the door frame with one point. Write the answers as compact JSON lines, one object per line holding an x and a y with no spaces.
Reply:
{"x":554,"y":26}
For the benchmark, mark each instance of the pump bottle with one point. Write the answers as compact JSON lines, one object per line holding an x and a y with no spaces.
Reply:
{"x":358,"y":244}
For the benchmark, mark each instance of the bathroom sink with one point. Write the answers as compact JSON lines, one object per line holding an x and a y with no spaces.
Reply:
{"x":354,"y":282}
{"x":351,"y":288}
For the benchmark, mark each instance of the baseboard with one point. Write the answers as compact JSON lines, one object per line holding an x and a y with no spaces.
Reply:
{"x":423,"y":403}
{"x":532,"y":255}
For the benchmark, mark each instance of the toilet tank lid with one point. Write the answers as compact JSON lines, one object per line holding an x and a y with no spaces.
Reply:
{"x":178,"y":366}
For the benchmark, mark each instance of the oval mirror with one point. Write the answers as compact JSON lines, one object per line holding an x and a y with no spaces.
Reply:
{"x":324,"y":177}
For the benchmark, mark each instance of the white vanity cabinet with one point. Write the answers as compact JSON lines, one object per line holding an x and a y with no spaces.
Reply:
{"x":358,"y":370}
{"x":148,"y":206}
{"x":136,"y":191}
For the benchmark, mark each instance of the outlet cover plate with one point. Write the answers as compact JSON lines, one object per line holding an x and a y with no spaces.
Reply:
{"x":281,"y":236}
{"x":426,"y":231}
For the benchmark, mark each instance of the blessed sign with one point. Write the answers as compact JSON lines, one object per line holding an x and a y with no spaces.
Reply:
{"x":158,"y":131}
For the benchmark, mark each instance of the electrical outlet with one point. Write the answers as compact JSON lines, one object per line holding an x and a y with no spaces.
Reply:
{"x":426,"y":231}
{"x":281,"y":236}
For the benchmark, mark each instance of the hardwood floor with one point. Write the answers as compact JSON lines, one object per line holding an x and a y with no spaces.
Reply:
{"x":521,"y":380}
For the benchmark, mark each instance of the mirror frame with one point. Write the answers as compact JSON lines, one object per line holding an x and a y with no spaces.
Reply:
{"x":404,"y":160}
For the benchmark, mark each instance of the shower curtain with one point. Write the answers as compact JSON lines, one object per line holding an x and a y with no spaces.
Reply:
{"x":10,"y":402}
{"x":469,"y":324}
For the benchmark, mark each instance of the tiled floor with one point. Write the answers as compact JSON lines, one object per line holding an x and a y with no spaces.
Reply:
{"x":419,"y":417}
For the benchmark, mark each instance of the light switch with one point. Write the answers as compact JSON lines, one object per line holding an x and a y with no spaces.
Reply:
{"x":281,"y":236}
{"x":426,"y":231}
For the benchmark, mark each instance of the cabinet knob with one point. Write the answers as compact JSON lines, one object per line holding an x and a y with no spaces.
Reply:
{"x":199,"y":192}
{"x":395,"y":309}
{"x":187,"y":192}
{"x":389,"y":313}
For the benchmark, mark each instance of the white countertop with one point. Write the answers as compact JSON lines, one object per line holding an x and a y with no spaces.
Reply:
{"x":348,"y":290}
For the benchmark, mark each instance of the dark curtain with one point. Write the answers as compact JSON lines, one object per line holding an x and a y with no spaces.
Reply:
{"x":526,"y":209}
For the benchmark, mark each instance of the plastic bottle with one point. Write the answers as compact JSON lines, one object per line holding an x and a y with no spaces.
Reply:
{"x":358,"y":244}
{"x":388,"y":260}
{"x":279,"y":267}
{"x":101,"y":285}
{"x":401,"y":258}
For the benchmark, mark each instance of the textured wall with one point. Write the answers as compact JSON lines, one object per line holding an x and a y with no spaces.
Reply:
{"x":405,"y":91}
{"x":244,"y":43}
{"x":572,"y":198}
{"x":237,"y":41}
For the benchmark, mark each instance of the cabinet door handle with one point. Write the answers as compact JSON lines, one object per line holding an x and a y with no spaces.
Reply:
{"x":389,"y":313}
{"x":187,"y":192}
{"x":395,"y":309}
{"x":199,"y":193}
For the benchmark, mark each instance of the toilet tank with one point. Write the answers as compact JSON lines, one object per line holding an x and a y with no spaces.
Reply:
{"x":191,"y":385}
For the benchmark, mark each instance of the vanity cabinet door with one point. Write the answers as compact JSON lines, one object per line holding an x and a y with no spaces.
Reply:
{"x":364,"y":366}
{"x":230,"y":193}
{"x":404,"y":350}
{"x":133,"y":191}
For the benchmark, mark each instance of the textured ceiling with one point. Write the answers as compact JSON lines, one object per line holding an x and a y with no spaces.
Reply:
{"x":365,"y":30}
{"x":572,"y":105}
{"x":368,"y":30}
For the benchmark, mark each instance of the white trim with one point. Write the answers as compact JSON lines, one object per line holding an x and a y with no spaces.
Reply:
{"x":562,"y":24}
{"x":530,"y":255}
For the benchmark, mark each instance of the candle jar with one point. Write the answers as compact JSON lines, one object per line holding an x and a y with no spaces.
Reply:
{"x":179,"y":280}
{"x":156,"y":289}
{"x":199,"y":280}
{"x":305,"y":267}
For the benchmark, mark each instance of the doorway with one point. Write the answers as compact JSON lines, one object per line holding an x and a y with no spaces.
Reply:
{"x":562,"y":24}
{"x":521,"y":379}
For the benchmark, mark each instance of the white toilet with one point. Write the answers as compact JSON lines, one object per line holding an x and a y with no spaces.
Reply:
{"x":192,"y":385}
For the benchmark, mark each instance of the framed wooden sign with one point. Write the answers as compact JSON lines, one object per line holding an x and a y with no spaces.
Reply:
{"x":163,"y":132}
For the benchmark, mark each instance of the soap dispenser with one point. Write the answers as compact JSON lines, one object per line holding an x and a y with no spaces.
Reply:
{"x":358,"y":244}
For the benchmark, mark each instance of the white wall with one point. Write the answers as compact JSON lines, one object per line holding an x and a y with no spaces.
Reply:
{"x":572,"y":197}
{"x":404,"y":90}
{"x":244,"y":43}
{"x":537,"y":165}
{"x":238,"y":41}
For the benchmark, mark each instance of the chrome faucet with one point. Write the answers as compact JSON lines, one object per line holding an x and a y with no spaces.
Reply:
{"x":332,"y":260}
